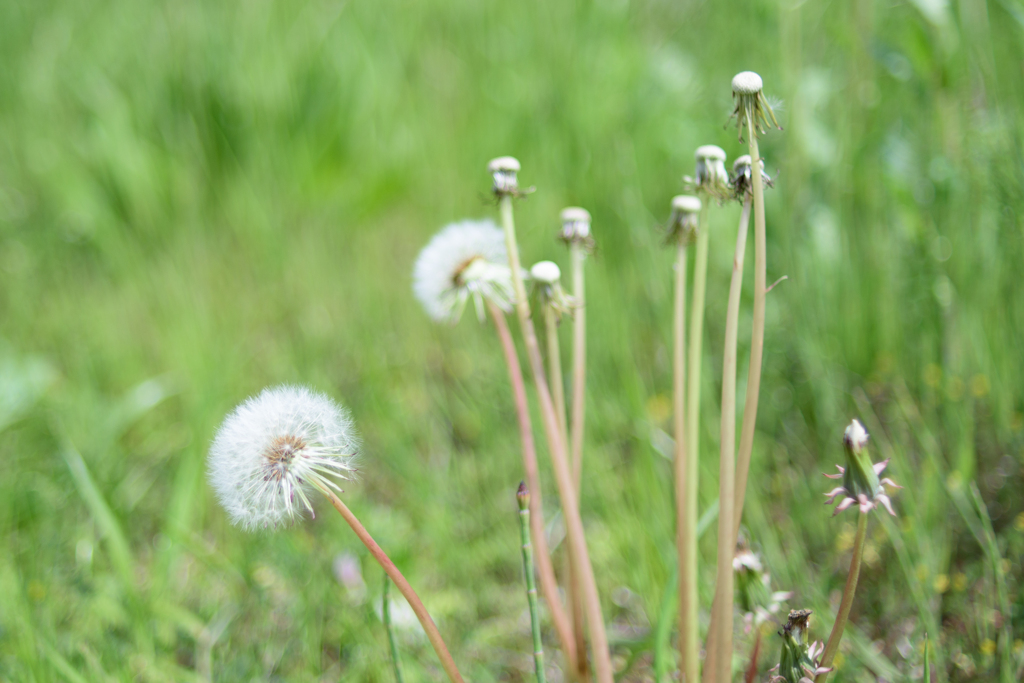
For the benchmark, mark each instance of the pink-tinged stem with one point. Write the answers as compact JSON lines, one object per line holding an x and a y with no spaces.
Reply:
{"x":433,"y":635}
{"x":545,"y":569}
{"x":847,"y":602}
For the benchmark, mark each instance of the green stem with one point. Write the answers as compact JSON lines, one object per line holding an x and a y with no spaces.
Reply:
{"x":686,"y":541}
{"x":556,"y":446}
{"x":579,"y":360}
{"x":531,"y":588}
{"x":847,"y":602}
{"x":385,"y":609}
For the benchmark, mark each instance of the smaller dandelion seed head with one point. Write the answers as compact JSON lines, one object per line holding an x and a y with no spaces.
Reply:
{"x":576,"y":227}
{"x":683,"y":222}
{"x":465,"y":260}
{"x":747,"y":83}
{"x":711,"y":176}
{"x":505,"y":172}
{"x":276,"y":449}
{"x":545,"y":272}
{"x":742,"y":182}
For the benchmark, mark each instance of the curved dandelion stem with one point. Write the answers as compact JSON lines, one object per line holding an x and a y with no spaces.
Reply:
{"x":433,"y":635}
{"x":545,"y":569}
{"x":557,"y":447}
{"x":385,"y":610}
{"x":847,"y":602}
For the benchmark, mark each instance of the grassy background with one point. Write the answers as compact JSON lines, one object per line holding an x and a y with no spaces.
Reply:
{"x":198,"y":199}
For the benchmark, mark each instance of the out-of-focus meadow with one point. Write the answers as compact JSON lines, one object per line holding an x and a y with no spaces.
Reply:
{"x":198,"y":199}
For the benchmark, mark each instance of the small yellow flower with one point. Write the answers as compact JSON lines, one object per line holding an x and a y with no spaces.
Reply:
{"x":941,"y":583}
{"x":988,"y":646}
{"x":959,"y":581}
{"x":844,"y":541}
{"x":980,"y":386}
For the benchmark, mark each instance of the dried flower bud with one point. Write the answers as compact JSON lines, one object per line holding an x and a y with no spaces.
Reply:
{"x":546,"y":277}
{"x":861,"y":485}
{"x":505,"y":172}
{"x":523,"y":496}
{"x":742,"y":184}
{"x":710,"y":174}
{"x":753,"y":588}
{"x":576,"y":227}
{"x":684,"y":222}
{"x":751,"y":106}
{"x":798,"y":662}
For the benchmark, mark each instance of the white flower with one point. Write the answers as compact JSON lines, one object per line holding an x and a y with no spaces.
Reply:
{"x":274,"y":450}
{"x":466,"y":259}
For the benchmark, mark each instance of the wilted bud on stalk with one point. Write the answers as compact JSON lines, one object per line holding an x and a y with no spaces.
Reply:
{"x":798,"y":660}
{"x":683,"y":222}
{"x":751,"y":105}
{"x":861,"y":485}
{"x":505,"y":172}
{"x":711,"y":176}
{"x":753,"y":588}
{"x":741,"y":179}
{"x":576,"y":227}
{"x":546,"y":277}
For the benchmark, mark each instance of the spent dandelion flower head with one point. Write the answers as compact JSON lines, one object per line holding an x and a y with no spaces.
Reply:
{"x":751,"y":106}
{"x":798,"y":661}
{"x":547,"y":282}
{"x":710,"y":176}
{"x":683,"y":222}
{"x":754,"y":594}
{"x":505,"y":172}
{"x":465,"y":260}
{"x":576,"y":227}
{"x":742,"y":185}
{"x":277,"y":448}
{"x":861,"y":485}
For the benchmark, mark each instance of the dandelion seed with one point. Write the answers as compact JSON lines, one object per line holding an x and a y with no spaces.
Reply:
{"x":466,"y":260}
{"x":274,"y":450}
{"x":861,"y":485}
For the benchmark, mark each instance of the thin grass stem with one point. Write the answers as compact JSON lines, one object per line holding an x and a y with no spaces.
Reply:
{"x":385,"y":610}
{"x":577,"y":257}
{"x":557,"y":447}
{"x":433,"y":635}
{"x":523,"y":497}
{"x":545,"y":568}
{"x":847,"y":602}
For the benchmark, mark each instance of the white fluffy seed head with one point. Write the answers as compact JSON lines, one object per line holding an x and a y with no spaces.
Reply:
{"x":465,"y":260}
{"x":747,"y":83}
{"x":545,"y":272}
{"x":276,"y":449}
{"x":710,"y":152}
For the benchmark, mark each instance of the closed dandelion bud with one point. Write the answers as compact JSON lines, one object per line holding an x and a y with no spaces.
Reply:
{"x":711,"y":176}
{"x":466,"y":260}
{"x":546,"y":277}
{"x":798,"y":661}
{"x":523,"y":496}
{"x":684,"y":222}
{"x":741,"y":179}
{"x":576,"y":227}
{"x":505,"y":172}
{"x":861,"y":485}
{"x":751,"y":106}
{"x":753,"y":589}
{"x":277,"y":448}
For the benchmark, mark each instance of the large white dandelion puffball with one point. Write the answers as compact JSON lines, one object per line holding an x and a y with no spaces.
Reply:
{"x":465,"y":260}
{"x":274,"y":450}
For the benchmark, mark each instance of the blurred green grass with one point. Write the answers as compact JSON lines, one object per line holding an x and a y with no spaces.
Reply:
{"x":198,"y":199}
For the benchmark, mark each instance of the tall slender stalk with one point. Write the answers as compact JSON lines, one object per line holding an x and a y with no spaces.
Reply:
{"x":523,"y":498}
{"x":557,"y":448}
{"x":545,"y":569}
{"x":385,"y":610}
{"x":558,"y":396}
{"x":577,"y":258}
{"x":686,"y":541}
{"x":847,"y":602}
{"x":433,"y":635}
{"x":727,"y":464}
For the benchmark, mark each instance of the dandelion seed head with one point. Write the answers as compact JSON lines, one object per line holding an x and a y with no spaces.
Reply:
{"x":277,"y":448}
{"x":505,"y":171}
{"x":747,"y":83}
{"x":465,"y":260}
{"x":576,"y":226}
{"x":545,"y":272}
{"x":742,"y":182}
{"x":711,"y":176}
{"x":752,"y":108}
{"x":683,"y":222}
